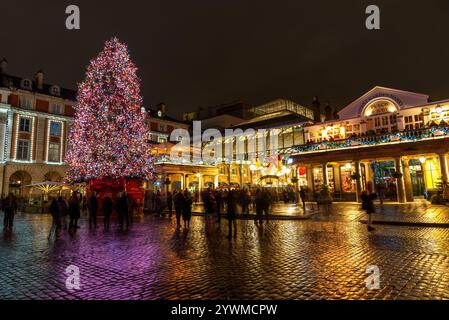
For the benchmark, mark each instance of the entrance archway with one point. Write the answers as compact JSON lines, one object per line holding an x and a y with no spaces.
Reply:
{"x":18,"y":182}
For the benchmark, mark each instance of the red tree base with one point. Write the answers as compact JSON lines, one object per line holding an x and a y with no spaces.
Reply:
{"x":112,"y":187}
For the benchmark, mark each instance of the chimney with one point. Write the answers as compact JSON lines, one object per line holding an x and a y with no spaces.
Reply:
{"x":328,"y":112}
{"x":40,"y":79}
{"x":316,"y":106}
{"x":3,"y":65}
{"x":162,"y":108}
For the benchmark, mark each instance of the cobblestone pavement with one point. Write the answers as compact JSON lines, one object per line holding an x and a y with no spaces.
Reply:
{"x":312,"y":259}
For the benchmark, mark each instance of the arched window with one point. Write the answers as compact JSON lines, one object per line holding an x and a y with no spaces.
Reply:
{"x":380,"y":115}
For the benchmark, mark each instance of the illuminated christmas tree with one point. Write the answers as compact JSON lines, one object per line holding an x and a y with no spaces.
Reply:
{"x":109,"y":138}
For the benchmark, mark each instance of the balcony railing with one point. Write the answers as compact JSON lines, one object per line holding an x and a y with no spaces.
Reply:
{"x":372,"y":139}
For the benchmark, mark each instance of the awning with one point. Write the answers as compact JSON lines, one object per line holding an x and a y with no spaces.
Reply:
{"x":47,"y":186}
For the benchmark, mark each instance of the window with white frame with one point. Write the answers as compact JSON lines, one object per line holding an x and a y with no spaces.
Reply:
{"x":56,"y":108}
{"x":26,"y":84}
{"x":54,"y":152}
{"x":55,"y":129}
{"x":25,"y":125}
{"x":55,"y":90}
{"x":26,"y":103}
{"x":161,"y":139}
{"x":23,"y":150}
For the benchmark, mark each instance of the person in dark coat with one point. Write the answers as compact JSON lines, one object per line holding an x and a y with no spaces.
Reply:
{"x":63,"y":212}
{"x":74,"y":212}
{"x":178,"y":200}
{"x":218,"y":204}
{"x":122,"y":208}
{"x":266,"y":203}
{"x":107,"y":211}
{"x":93,"y":207}
{"x":368,"y":206}
{"x":170,"y":203}
{"x":56,"y":215}
{"x":302,"y":194}
{"x":259,"y":205}
{"x":231,"y":202}
{"x":187,"y":209}
{"x":9,"y":208}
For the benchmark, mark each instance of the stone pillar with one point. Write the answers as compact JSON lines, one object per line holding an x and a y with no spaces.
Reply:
{"x":358,"y":182}
{"x":407,"y":180}
{"x":241,"y":175}
{"x":443,"y":165}
{"x":186,"y":180}
{"x":309,"y":173}
{"x":182,"y":181}
{"x":200,"y":187}
{"x":370,"y":176}
{"x":216,"y":181}
{"x":337,"y":177}
{"x":400,"y":182}
{"x":164,"y":188}
{"x":325,"y":177}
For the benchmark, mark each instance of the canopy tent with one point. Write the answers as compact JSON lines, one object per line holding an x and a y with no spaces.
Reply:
{"x":47,"y":186}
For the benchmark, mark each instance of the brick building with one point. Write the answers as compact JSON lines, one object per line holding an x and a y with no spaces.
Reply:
{"x":35,"y":118}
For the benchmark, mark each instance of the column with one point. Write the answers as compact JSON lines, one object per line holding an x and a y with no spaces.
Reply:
{"x":325,"y":177}
{"x":216,"y":181}
{"x":182,"y":181}
{"x":400,"y":182}
{"x":186,"y":179}
{"x":337,"y":177}
{"x":241,"y":175}
{"x":443,"y":166}
{"x":358,"y":182}
{"x":200,"y":187}
{"x":163,"y":188}
{"x":407,"y":180}
{"x":370,"y":178}
{"x":310,"y":185}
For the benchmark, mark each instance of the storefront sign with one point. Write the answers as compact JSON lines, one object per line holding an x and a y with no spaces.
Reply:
{"x":380,"y":107}
{"x":369,"y":100}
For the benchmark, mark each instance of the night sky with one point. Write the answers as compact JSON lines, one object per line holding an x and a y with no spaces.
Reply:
{"x":194,"y":53}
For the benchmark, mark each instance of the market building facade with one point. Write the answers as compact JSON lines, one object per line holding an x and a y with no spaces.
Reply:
{"x":389,"y":141}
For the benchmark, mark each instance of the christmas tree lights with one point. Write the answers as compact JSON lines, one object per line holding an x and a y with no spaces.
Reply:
{"x":109,"y":138}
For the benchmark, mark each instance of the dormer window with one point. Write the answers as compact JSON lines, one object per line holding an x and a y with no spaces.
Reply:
{"x":55,"y":90}
{"x":26,"y":84}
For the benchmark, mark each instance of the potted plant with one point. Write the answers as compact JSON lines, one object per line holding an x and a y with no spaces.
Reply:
{"x":324,"y":196}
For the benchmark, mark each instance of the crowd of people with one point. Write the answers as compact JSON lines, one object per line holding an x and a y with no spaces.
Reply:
{"x":67,"y":212}
{"x":217,"y":202}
